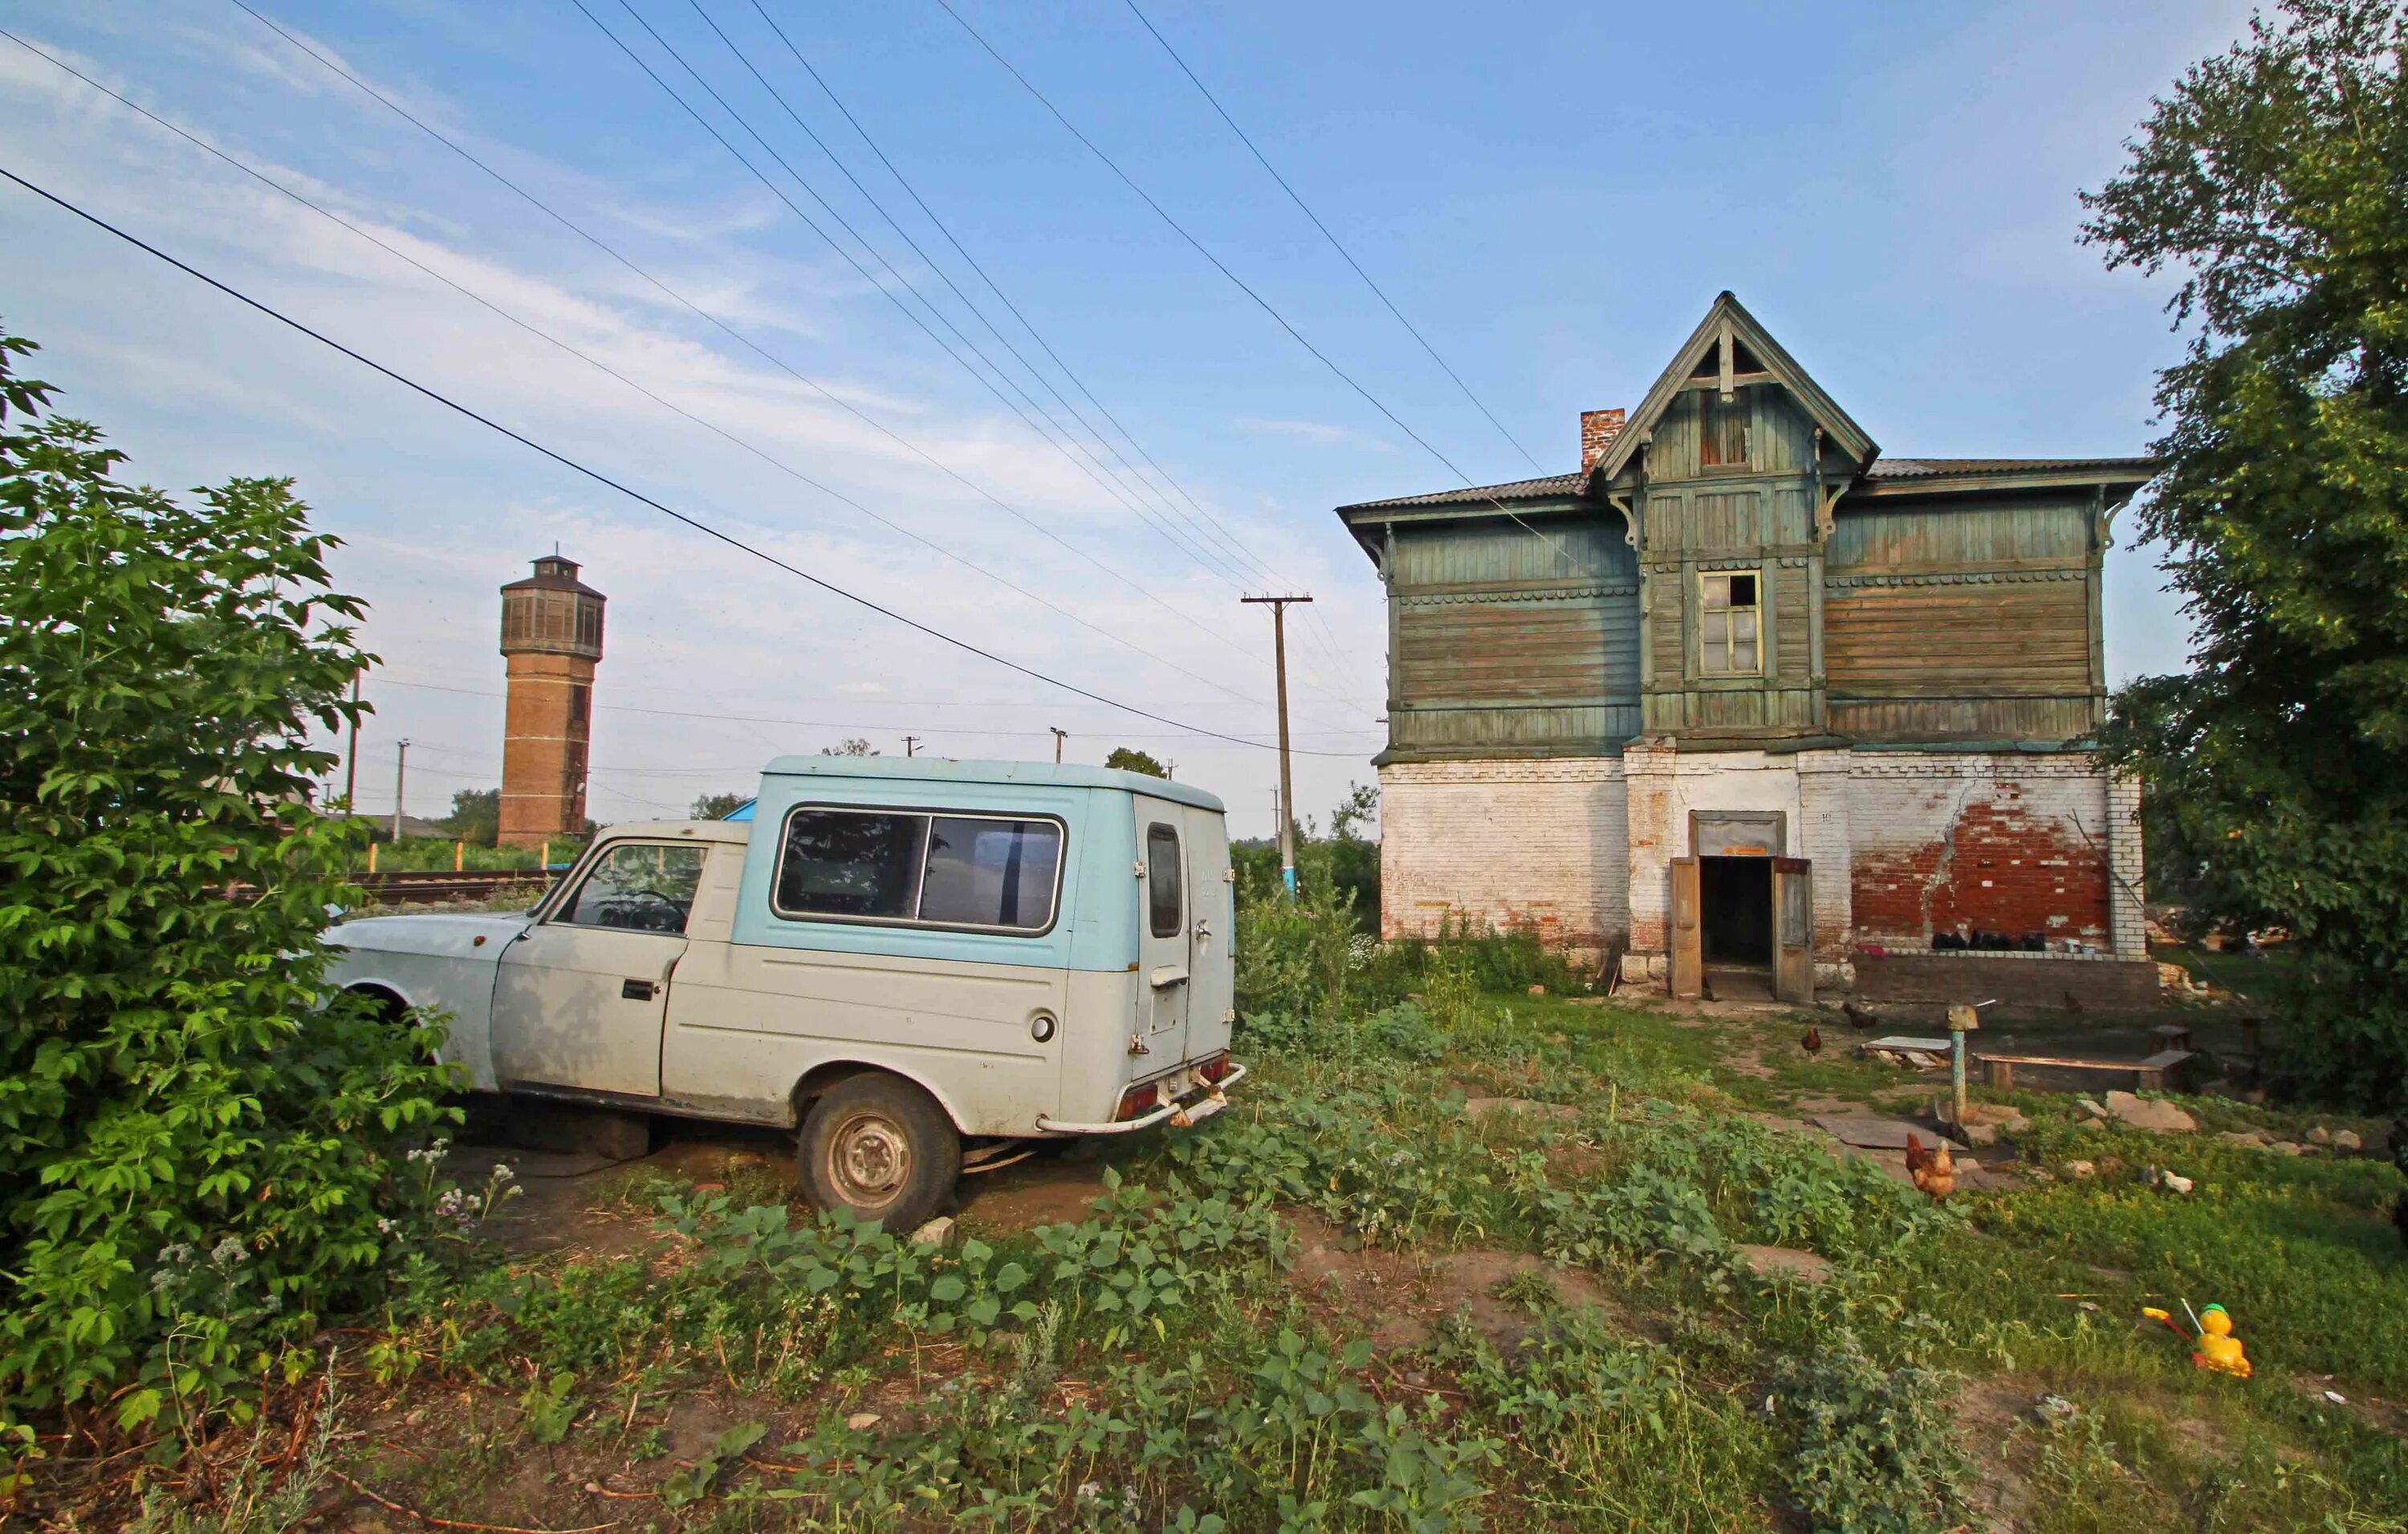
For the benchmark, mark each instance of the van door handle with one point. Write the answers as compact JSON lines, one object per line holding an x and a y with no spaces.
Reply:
{"x":1169,"y":974}
{"x":635,"y":990}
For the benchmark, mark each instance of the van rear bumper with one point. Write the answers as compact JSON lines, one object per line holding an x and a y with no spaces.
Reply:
{"x":1204,"y":1099}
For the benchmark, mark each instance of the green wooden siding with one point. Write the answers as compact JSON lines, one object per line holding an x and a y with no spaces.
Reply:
{"x":1513,"y":639}
{"x":1975,"y":618}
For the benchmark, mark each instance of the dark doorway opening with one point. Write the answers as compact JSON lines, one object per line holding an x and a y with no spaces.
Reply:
{"x":1735,"y":908}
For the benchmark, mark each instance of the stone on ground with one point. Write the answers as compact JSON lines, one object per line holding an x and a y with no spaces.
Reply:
{"x":936,"y":1232}
{"x":2142,"y":1113}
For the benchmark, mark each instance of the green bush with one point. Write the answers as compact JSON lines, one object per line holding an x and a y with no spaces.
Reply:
{"x":195,"y":1160}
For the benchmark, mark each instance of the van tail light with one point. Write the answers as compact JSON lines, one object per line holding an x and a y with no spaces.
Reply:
{"x":1215,"y":1068}
{"x":1139,"y":1100}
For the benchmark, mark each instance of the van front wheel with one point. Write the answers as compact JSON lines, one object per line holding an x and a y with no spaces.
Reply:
{"x":881,"y":1148}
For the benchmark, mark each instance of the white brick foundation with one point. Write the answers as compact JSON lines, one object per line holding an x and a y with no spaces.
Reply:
{"x":1509,"y":843}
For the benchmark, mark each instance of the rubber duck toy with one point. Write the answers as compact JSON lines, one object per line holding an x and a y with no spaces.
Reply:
{"x":2218,"y":1349}
{"x":2213,"y":1346}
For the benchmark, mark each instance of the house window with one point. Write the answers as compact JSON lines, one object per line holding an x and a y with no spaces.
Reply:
{"x":1729,"y":628}
{"x":1722,"y":430}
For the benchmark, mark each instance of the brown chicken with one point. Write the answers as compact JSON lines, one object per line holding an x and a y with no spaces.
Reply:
{"x":1933,"y":1169}
{"x":1812,"y":1039}
{"x":1860,"y":1018}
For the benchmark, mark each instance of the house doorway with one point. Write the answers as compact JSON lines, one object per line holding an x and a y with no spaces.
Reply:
{"x":1736,"y":898}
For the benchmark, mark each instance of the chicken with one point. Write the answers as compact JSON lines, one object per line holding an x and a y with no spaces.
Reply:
{"x":1812,"y":1039}
{"x":1933,"y":1169}
{"x":1860,"y":1018}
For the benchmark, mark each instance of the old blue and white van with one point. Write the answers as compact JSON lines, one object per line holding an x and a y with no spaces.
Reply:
{"x":917,"y":965}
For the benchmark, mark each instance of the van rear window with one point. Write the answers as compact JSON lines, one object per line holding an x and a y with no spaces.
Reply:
{"x":916,"y":869}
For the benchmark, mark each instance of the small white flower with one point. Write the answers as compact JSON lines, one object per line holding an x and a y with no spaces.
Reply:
{"x":503,"y":1171}
{"x":161,"y":1280}
{"x":271,"y":1304}
{"x":385,"y":1228}
{"x":228,"y":1251}
{"x":1090,"y":1490}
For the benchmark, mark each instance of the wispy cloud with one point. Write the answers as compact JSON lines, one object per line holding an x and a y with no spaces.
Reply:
{"x":1314,"y":431}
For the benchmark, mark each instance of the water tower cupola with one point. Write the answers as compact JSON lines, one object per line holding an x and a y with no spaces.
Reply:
{"x":551,"y":637}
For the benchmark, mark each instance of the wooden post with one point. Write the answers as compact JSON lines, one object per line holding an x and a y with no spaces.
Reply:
{"x":1279,"y":606}
{"x":459,"y":856}
{"x":372,"y":847}
{"x":547,"y":854}
{"x":1962,"y":1019}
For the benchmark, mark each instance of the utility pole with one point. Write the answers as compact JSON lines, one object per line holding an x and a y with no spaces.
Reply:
{"x":400,"y":777}
{"x":910,"y":744}
{"x":1059,"y":735}
{"x":1279,"y":606}
{"x":352,"y":765}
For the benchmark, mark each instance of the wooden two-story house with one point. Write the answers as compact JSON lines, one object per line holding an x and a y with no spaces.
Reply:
{"x":1745,"y":703}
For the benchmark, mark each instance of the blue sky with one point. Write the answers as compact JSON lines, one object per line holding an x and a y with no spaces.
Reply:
{"x":1552,"y":193}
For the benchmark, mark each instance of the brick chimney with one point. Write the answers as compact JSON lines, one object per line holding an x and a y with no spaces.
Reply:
{"x":1598,"y":428}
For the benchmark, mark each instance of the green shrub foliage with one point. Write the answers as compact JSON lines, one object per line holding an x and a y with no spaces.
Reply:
{"x":2274,"y":179}
{"x":195,"y":1160}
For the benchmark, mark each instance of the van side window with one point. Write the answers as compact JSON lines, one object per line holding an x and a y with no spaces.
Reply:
{"x":990,"y":872}
{"x":917,"y":868}
{"x":1162,"y":881}
{"x":852,"y":863}
{"x":639,"y":887}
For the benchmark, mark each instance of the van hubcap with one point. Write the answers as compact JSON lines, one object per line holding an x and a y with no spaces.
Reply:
{"x":869,"y":1159}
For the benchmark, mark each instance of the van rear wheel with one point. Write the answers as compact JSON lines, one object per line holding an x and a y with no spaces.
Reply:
{"x":881,"y":1147}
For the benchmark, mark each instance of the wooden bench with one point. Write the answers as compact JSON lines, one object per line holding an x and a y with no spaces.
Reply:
{"x":2167,"y":1069}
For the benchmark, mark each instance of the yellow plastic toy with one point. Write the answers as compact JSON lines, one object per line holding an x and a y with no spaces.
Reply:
{"x":2214,"y":1346}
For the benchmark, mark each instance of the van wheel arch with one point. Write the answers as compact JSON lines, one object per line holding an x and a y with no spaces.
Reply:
{"x":822,"y":1078}
{"x":391,"y":1005}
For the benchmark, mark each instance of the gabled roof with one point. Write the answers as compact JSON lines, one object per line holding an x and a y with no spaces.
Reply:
{"x":1726,"y":311}
{"x":1885,"y":473}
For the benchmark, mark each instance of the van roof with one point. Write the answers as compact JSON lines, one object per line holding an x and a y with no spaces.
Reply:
{"x":945,"y":769}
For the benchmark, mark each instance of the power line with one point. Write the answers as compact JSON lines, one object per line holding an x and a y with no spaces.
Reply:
{"x":583,"y":357}
{"x":1344,"y":254}
{"x":1237,"y":282}
{"x":1049,"y":437}
{"x":951,"y":239}
{"x":604,"y":479}
{"x":1126,"y":473}
{"x":817,"y":724}
{"x":1141,"y":589}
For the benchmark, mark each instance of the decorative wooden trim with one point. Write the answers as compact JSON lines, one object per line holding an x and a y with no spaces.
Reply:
{"x":1541,"y":594}
{"x":1954,"y":578}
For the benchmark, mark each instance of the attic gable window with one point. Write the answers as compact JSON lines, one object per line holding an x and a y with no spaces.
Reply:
{"x":1729,"y":625}
{"x":1722,"y":430}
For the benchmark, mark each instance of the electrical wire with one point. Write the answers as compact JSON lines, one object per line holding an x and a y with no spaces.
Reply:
{"x":1143,"y":590}
{"x":1344,"y":254}
{"x":695,"y":524}
{"x":1240,"y":284}
{"x":882,"y":726}
{"x":1126,"y":473}
{"x":1227,"y":537}
{"x":1056,"y":438}
{"x":594,"y":362}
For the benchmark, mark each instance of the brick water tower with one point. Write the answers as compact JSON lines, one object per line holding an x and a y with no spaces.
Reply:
{"x":551,"y":637}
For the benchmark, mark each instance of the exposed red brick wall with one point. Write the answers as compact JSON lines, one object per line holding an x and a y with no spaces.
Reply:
{"x":1999,"y":869}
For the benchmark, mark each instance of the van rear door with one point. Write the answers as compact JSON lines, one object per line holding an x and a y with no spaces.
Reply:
{"x":1165,"y":914}
{"x":1211,"y":928}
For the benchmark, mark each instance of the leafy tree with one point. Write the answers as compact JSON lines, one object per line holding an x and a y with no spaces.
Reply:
{"x":849,"y":748}
{"x":719,"y":806}
{"x":195,"y":1158}
{"x":2273,"y":179}
{"x":1130,"y":760}
{"x":475,"y":816}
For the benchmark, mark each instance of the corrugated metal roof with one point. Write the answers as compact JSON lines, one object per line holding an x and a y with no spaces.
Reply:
{"x":1555,"y":486}
{"x":1917,"y":469}
{"x":1552,"y":486}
